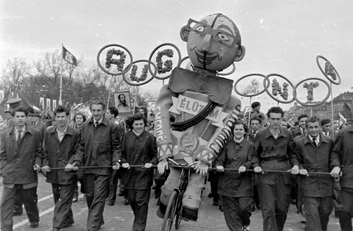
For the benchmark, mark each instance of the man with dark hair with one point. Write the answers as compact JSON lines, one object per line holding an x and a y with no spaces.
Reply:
{"x":274,"y":150}
{"x":255,"y":125}
{"x":139,"y":148}
{"x":20,"y":158}
{"x":99,"y":147}
{"x":326,"y":127}
{"x":301,"y":129}
{"x":111,"y":115}
{"x":314,"y":154}
{"x":60,"y":144}
{"x":342,"y":151}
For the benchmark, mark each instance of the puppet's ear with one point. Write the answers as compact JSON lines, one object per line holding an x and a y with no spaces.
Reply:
{"x":184,"y":33}
{"x":240,"y":54}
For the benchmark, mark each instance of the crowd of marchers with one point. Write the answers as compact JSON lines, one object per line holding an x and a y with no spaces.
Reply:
{"x":306,"y":164}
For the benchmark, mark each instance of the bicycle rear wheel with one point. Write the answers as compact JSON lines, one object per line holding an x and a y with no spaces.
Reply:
{"x":177,"y":221}
{"x":170,"y":212}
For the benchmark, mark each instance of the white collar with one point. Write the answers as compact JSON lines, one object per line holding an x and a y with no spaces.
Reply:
{"x":22,"y":130}
{"x":99,"y":121}
{"x":317,"y":139}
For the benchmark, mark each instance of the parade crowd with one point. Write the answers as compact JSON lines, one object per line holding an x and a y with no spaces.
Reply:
{"x":307,"y":164}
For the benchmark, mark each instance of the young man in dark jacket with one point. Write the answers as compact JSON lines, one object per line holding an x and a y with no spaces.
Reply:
{"x":343,"y":154}
{"x":314,"y":154}
{"x":20,"y":157}
{"x":60,"y":144}
{"x":98,"y":150}
{"x":274,"y":151}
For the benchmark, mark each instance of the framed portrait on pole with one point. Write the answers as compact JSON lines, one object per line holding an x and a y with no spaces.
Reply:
{"x":122,"y":101}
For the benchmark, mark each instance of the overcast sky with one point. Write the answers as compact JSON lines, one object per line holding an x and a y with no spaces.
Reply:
{"x":279,"y":36}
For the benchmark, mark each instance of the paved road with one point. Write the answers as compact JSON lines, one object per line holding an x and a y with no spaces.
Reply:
{"x":120,"y":217}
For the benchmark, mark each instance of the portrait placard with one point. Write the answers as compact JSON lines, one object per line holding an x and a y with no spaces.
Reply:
{"x":122,"y":101}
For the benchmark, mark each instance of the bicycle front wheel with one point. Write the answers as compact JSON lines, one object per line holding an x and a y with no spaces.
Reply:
{"x":170,"y":212}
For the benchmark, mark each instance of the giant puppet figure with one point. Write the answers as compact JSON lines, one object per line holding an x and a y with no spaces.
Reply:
{"x":202,"y":104}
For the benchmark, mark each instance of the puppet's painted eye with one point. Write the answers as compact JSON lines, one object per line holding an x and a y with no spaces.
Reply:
{"x":223,"y":37}
{"x":200,"y":28}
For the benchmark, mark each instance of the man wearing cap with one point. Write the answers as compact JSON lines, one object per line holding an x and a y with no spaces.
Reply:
{"x":8,"y":119}
{"x":37,"y":124}
{"x":255,"y":112}
{"x":20,"y":158}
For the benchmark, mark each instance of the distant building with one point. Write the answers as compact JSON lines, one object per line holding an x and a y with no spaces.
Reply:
{"x":324,"y":110}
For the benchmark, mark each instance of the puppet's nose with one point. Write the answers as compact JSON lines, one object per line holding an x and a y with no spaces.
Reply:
{"x":205,"y":46}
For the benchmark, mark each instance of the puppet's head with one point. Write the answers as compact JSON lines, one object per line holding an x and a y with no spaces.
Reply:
{"x":213,"y":43}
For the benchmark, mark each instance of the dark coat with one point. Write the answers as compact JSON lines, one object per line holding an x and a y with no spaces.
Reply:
{"x":17,"y":161}
{"x":267,"y":147}
{"x":232,"y":183}
{"x":315,"y":159}
{"x":343,"y":156}
{"x":99,"y":146}
{"x":251,"y":136}
{"x":138,"y":150}
{"x":58,"y":154}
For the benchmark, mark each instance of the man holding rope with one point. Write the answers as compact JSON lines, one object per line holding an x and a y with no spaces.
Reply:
{"x":274,"y":154}
{"x":343,"y":153}
{"x":98,"y":150}
{"x":314,"y":153}
{"x":60,"y":144}
{"x":20,"y":158}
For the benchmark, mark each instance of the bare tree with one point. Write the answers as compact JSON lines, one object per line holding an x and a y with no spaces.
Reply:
{"x":13,"y":73}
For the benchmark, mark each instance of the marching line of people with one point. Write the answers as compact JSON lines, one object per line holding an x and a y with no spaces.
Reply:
{"x":269,"y":157}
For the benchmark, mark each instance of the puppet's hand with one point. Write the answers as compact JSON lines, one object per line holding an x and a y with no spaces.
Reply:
{"x":162,"y":166}
{"x":201,"y":167}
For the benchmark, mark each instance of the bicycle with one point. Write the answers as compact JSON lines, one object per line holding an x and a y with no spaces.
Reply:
{"x":174,"y":207}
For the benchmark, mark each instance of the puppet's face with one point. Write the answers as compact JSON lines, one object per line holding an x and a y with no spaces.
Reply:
{"x":213,"y":43}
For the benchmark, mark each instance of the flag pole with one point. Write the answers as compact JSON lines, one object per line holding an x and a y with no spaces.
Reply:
{"x":332,"y":117}
{"x":61,"y":76}
{"x":112,"y":76}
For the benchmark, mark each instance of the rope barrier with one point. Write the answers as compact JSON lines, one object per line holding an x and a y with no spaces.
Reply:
{"x":191,"y":167}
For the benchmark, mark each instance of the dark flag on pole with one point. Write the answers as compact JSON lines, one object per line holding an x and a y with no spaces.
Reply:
{"x":70,"y":58}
